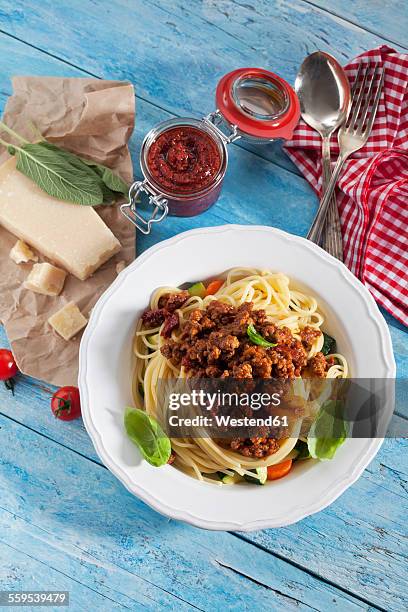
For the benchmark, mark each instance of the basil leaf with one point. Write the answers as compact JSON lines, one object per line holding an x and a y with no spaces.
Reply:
{"x":147,"y":434}
{"x":303,"y":450}
{"x":257,"y":338}
{"x":56,"y":175}
{"x":328,"y":430}
{"x":329,"y":345}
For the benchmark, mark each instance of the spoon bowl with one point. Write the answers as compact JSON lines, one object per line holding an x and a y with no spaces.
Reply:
{"x":323,"y":91}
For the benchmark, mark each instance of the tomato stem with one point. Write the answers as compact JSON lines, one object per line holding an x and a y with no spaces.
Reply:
{"x":10,"y":384}
{"x":63,"y":404}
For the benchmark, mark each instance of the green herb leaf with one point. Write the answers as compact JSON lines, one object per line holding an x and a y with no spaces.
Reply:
{"x":71,"y":158}
{"x":113,"y":181}
{"x":328,"y":430}
{"x":57,"y":176}
{"x":147,"y":434}
{"x":303,"y":450}
{"x":257,"y":338}
{"x":97,"y":171}
{"x":329,"y":345}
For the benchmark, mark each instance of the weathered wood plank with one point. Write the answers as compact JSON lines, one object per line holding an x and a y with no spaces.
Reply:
{"x":100,"y":580}
{"x":171,"y":50}
{"x":387,"y":18}
{"x":21,"y":572}
{"x":31,"y":407}
{"x":75,"y":513}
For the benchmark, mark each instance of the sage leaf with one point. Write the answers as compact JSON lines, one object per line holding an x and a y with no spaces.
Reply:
{"x":109,"y":196}
{"x":56,"y":175}
{"x":113,"y":181}
{"x":71,"y":158}
{"x":146,"y":433}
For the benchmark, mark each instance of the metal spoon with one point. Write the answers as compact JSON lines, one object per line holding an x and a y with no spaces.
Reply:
{"x":324,"y":94}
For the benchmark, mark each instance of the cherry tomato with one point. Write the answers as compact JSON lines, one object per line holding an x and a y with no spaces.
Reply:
{"x":65,"y":403}
{"x":8,"y":369}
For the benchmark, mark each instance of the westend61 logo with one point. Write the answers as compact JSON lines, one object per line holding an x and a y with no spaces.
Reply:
{"x":219,"y":404}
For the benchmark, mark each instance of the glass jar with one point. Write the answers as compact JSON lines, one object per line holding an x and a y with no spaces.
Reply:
{"x":184,"y":161}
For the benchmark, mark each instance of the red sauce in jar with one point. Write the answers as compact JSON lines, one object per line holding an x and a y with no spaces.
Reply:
{"x":184,"y":159}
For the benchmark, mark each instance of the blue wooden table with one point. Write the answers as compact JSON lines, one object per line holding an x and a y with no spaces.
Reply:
{"x":65,"y":522}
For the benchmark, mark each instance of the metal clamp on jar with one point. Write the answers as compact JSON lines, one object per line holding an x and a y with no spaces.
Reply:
{"x":184,"y":161}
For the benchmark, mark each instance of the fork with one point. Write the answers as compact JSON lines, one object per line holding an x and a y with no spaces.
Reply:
{"x":331,"y":236}
{"x":351,"y":137}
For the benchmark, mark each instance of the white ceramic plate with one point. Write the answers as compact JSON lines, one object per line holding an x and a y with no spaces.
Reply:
{"x":106,"y":366}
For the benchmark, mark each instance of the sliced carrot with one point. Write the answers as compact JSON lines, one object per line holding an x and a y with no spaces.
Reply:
{"x":279,"y":470}
{"x":214,"y":286}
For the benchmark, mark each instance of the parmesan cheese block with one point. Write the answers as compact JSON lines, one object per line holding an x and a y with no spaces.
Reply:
{"x":21,"y":253}
{"x":68,"y":321}
{"x":46,"y":279}
{"x":71,"y":235}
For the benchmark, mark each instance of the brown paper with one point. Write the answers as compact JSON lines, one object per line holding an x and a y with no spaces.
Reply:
{"x":94,"y":119}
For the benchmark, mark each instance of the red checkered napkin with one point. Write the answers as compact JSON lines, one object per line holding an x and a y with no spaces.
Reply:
{"x":372,"y":193}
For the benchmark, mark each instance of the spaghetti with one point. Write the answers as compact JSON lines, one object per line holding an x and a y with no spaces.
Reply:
{"x":284,"y":307}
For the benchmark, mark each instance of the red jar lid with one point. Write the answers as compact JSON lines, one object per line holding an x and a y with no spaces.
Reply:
{"x":260,"y":103}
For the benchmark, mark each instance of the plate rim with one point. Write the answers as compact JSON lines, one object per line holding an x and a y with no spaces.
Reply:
{"x":336,"y":488}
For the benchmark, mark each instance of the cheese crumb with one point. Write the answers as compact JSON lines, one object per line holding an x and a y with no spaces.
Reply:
{"x":68,"y":321}
{"x":46,"y":279}
{"x":120,"y":266}
{"x":21,"y":253}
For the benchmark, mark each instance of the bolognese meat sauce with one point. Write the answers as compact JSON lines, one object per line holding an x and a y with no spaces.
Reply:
{"x":214,"y":344}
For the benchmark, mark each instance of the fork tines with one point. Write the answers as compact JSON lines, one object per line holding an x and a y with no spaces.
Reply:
{"x":366,"y":93}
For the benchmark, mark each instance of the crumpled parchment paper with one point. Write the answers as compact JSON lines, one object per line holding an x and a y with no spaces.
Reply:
{"x":95,"y":119}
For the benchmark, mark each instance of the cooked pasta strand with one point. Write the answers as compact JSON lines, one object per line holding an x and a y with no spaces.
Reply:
{"x":285,"y":306}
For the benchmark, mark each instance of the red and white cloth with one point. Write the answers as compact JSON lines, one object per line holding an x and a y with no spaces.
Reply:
{"x":372,"y":193}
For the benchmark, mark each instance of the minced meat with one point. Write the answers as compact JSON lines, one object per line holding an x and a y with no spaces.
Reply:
{"x":165,"y":313}
{"x":214,"y":344}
